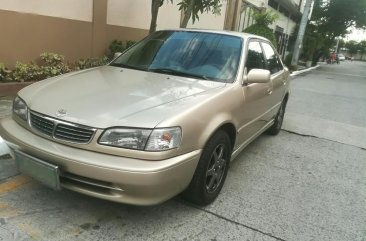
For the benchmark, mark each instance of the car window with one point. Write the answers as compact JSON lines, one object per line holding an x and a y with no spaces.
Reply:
{"x":192,"y":54}
{"x":255,"y":57}
{"x":273,"y":61}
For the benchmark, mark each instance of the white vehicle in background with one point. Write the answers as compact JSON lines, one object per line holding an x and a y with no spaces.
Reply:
{"x":341,"y":57}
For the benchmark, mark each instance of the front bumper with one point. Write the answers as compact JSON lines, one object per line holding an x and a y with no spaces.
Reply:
{"x":115,"y":178}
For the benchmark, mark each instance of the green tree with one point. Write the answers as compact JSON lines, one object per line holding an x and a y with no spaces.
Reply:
{"x":334,"y":17}
{"x":192,"y":9}
{"x":362,"y":48}
{"x":352,"y":47}
{"x":262,"y":20}
{"x":331,"y":19}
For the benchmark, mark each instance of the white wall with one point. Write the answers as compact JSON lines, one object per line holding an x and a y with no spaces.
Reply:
{"x":169,"y":16}
{"x":258,"y":3}
{"x":284,"y":22}
{"x":71,"y":9}
{"x":137,"y":14}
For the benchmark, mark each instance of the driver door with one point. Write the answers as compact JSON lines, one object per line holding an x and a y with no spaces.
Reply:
{"x":254,"y":110}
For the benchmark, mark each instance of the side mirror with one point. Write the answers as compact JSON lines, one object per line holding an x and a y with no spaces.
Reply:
{"x":116,"y":55}
{"x":258,"y":76}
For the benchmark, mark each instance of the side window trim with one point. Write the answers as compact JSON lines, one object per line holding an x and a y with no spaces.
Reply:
{"x":275,"y":51}
{"x":250,"y":40}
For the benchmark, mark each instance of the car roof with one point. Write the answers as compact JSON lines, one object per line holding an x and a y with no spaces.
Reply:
{"x":226,"y":32}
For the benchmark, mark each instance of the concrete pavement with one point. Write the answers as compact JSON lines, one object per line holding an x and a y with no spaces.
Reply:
{"x":5,"y":106}
{"x":307,"y":183}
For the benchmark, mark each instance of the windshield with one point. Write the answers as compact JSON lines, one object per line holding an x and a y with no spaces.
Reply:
{"x":199,"y":55}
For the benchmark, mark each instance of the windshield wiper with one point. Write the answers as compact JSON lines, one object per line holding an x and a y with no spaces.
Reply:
{"x":126,"y":66}
{"x":179,"y":73}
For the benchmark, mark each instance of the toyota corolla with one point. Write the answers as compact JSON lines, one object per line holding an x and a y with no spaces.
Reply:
{"x":165,"y":117}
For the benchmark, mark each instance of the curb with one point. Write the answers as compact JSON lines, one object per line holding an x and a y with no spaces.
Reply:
{"x":295,"y":73}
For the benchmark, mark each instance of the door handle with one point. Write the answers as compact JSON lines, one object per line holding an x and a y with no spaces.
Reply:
{"x":269,"y":91}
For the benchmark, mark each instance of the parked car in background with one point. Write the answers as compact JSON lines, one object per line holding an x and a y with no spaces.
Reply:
{"x":341,"y":57}
{"x":165,"y":117}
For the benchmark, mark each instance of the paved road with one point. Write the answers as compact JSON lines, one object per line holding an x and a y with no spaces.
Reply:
{"x":307,"y":183}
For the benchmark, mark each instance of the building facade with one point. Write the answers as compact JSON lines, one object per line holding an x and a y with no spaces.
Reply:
{"x":288,"y":11}
{"x":84,"y":28}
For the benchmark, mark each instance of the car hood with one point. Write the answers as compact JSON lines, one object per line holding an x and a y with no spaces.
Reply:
{"x":107,"y":96}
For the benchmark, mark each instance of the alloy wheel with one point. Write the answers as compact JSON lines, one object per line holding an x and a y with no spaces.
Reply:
{"x":216,"y":168}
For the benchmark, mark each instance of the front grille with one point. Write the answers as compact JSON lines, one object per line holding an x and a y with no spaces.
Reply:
{"x":61,"y":130}
{"x":41,"y":124}
{"x":73,"y":133}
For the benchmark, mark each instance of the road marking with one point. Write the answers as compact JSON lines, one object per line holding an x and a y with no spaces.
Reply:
{"x":14,"y":183}
{"x":337,"y":73}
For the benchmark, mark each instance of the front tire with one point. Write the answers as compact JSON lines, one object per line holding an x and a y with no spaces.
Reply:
{"x":211,"y":170}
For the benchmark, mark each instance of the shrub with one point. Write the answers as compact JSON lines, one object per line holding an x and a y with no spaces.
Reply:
{"x":129,"y":43}
{"x":4,"y":72}
{"x":287,"y":62}
{"x":262,"y":20}
{"x":118,"y":46}
{"x":91,"y":63}
{"x":288,"y":59}
{"x":26,"y":72}
{"x":263,"y":31}
{"x":53,"y":65}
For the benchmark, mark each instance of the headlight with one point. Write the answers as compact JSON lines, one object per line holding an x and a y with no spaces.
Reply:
{"x":126,"y":138}
{"x":20,"y":108}
{"x":164,"y":139}
{"x":142,"y":139}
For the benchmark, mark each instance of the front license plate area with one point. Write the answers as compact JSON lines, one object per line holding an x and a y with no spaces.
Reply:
{"x":41,"y":171}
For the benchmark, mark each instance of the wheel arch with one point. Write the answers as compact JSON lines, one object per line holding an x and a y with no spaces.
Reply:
{"x":229,"y":128}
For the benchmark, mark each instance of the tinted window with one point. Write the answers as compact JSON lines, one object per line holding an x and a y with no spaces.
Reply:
{"x":255,"y":59}
{"x":273,"y":61}
{"x":184,"y":53}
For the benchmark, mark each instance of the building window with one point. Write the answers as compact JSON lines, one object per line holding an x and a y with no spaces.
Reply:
{"x":282,"y":40}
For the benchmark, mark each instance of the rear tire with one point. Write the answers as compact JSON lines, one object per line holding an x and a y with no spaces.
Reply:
{"x":211,"y":170}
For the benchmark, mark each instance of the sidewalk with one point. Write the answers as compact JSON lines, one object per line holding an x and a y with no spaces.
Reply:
{"x":304,"y":70}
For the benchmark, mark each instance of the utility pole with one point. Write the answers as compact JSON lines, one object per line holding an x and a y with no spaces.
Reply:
{"x":336,"y":50}
{"x":300,"y":34}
